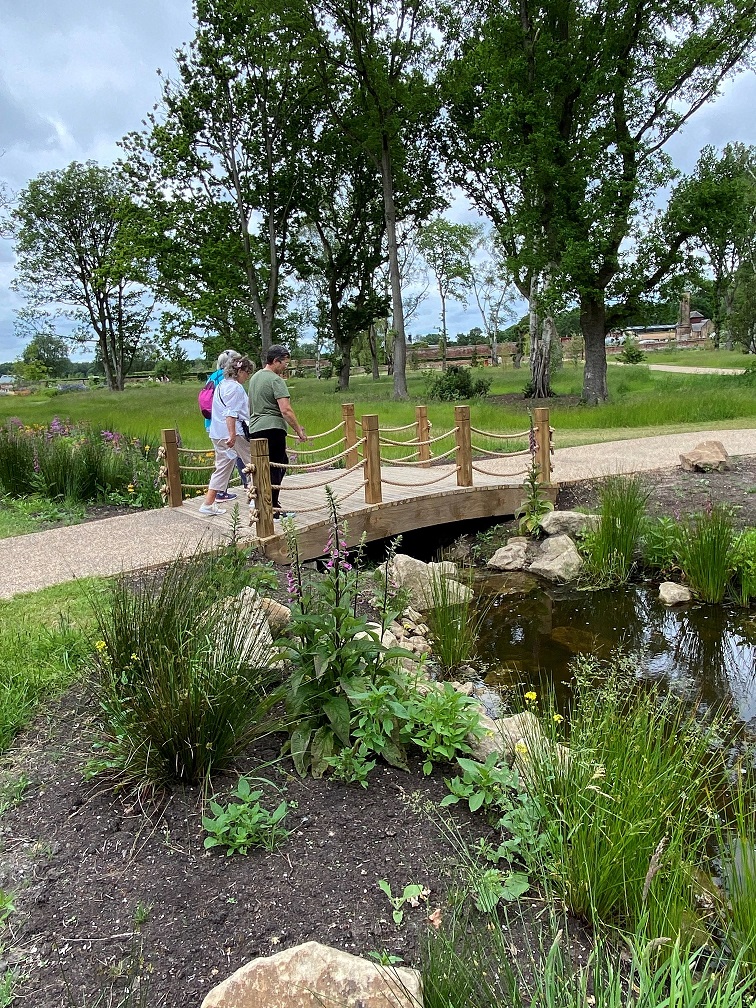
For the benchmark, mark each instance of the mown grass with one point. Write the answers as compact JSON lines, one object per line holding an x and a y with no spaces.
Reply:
{"x":44,"y":643}
{"x":641,"y":402}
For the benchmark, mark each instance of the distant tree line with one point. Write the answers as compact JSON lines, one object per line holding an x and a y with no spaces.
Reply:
{"x":294,"y":177}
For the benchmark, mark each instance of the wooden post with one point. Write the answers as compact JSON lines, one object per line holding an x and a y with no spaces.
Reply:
{"x":352,"y":457}
{"x":463,"y":437}
{"x":261,"y":481}
{"x":543,"y":444}
{"x":422,"y":429}
{"x":170,"y":443}
{"x":372,"y":435}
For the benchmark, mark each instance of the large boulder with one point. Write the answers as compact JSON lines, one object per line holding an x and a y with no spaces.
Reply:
{"x":708,"y":456}
{"x":512,"y":557}
{"x":557,"y":559}
{"x":571,"y":523}
{"x":671,"y":593}
{"x":418,"y":577}
{"x":503,"y":735}
{"x":279,"y":615}
{"x":313,"y":975}
{"x":241,"y":624}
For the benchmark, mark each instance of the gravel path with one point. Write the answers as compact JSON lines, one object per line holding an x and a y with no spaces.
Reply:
{"x":150,"y":538}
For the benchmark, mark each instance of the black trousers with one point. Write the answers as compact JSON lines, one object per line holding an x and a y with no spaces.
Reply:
{"x":276,"y":439}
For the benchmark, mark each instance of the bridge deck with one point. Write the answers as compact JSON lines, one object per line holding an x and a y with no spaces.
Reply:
{"x":412,"y":498}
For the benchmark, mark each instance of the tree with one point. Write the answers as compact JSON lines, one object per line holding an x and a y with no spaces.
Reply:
{"x":230,"y":147}
{"x":491,"y":286}
{"x":557,"y":120}
{"x":380,"y":51}
{"x":71,"y":263}
{"x":717,"y":204}
{"x":50,"y":351}
{"x":447,"y":248}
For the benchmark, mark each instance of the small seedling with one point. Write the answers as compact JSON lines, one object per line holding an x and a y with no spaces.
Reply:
{"x":384,"y":958}
{"x":412,"y":894}
{"x":142,"y":913}
{"x":244,"y":823}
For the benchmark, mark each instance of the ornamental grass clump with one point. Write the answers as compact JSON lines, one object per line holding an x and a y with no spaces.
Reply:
{"x":626,"y":815}
{"x":609,"y":549}
{"x":455,"y":620}
{"x":187,"y":679}
{"x":707,"y":552}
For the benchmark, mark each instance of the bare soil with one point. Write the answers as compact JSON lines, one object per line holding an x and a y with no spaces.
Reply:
{"x":105,"y":887}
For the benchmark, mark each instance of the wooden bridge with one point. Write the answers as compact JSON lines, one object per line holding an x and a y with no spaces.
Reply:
{"x":384,"y":481}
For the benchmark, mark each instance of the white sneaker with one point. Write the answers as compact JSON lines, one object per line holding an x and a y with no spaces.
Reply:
{"x":211,"y":509}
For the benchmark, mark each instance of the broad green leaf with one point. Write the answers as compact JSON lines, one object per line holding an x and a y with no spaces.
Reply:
{"x":338,"y":713}
{"x":298,"y":745}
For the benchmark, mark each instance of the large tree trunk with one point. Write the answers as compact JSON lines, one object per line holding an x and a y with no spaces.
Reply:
{"x":346,"y":367}
{"x":397,"y":308}
{"x":540,"y":348}
{"x":373,"y":342}
{"x":593,"y":327}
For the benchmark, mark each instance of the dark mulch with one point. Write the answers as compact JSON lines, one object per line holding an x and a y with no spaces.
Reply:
{"x":82,"y":860}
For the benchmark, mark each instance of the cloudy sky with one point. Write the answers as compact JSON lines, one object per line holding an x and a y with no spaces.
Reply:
{"x":77,"y":76}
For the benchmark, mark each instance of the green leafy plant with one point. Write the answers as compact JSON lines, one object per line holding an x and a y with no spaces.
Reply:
{"x":660,"y":543}
{"x":707,"y":552}
{"x":457,"y":383}
{"x":333,"y":655}
{"x":412,"y":894}
{"x":482,"y":785}
{"x":631,"y":352}
{"x":439,"y":723}
{"x":535,"y":505}
{"x":244,"y":823}
{"x":609,"y":549}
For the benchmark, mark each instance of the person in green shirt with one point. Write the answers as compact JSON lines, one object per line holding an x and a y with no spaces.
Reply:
{"x":270,"y":412}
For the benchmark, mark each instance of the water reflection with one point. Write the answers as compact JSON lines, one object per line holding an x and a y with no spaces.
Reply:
{"x":532,"y":632}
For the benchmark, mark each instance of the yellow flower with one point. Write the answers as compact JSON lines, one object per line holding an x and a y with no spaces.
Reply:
{"x":531,"y":696}
{"x":101,"y":646}
{"x":146,"y":448}
{"x":557,"y":719}
{"x":130,"y":488}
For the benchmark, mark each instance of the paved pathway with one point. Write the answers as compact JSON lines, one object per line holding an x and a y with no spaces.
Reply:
{"x":149,"y":538}
{"x":679,"y":369}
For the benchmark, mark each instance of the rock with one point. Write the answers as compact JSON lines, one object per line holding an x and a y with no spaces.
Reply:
{"x":279,"y":615}
{"x":511,"y":557}
{"x":557,"y":559}
{"x":313,"y":975}
{"x":419,"y":645}
{"x":708,"y":456}
{"x":389,"y":640}
{"x":417,"y":578}
{"x":443,"y":569}
{"x":371,"y":630}
{"x":575,"y":639}
{"x":503,"y":735}
{"x":413,"y":615}
{"x":508,"y":583}
{"x":673,"y":594}
{"x":241,"y":623}
{"x":571,"y":523}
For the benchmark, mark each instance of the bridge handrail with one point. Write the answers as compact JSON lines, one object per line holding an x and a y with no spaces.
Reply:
{"x":502,"y":437}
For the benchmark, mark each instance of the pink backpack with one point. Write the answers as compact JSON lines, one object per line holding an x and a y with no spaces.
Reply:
{"x":205,"y":399}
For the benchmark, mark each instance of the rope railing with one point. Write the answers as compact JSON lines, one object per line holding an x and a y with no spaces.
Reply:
{"x":314,"y":437}
{"x":363,"y":454}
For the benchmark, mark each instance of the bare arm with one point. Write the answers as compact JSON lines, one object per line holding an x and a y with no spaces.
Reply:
{"x":291,"y":419}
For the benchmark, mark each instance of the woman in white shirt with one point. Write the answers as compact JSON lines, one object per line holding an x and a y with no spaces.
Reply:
{"x":230,"y":416}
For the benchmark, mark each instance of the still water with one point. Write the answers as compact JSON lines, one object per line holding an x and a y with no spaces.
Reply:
{"x":531,"y":632}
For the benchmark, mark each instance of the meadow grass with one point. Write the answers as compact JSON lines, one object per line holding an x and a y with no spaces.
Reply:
{"x":641,"y":401}
{"x":609,"y":549}
{"x":44,"y":642}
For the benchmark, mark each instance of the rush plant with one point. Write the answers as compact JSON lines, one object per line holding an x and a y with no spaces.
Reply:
{"x":609,"y":549}
{"x":708,"y":552}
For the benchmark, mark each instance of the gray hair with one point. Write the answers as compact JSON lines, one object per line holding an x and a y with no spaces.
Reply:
{"x":226,"y":357}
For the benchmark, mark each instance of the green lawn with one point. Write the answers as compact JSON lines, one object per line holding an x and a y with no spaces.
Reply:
{"x":641,"y":401}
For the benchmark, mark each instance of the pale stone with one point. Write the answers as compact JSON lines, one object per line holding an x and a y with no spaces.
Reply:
{"x":313,"y":975}
{"x":708,"y":456}
{"x":279,"y":615}
{"x":413,"y":615}
{"x":673,"y":594}
{"x":419,"y":645}
{"x":389,"y":640}
{"x":241,"y":623}
{"x":503,"y":734}
{"x":372,"y":630}
{"x":445,"y":568}
{"x":511,"y":557}
{"x":571,"y":523}
{"x":557,"y":559}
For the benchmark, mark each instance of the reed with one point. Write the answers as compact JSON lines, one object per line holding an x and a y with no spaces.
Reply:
{"x":707,"y":552}
{"x":609,"y":550}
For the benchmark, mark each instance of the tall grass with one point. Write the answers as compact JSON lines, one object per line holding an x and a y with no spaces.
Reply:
{"x":455,"y":621}
{"x":473,"y":962}
{"x":707,"y":552}
{"x":628,"y":815}
{"x":185,"y":682}
{"x":609,"y":549}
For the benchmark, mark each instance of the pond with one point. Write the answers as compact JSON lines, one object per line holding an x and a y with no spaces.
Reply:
{"x":532,"y":631}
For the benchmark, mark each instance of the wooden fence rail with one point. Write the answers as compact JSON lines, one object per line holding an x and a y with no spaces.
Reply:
{"x":365,"y":453}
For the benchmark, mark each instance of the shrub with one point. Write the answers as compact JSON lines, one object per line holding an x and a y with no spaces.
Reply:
{"x":609,"y":549}
{"x":631,"y":351}
{"x":183,"y":686}
{"x":707,"y":552}
{"x":660,"y":543}
{"x":457,"y":383}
